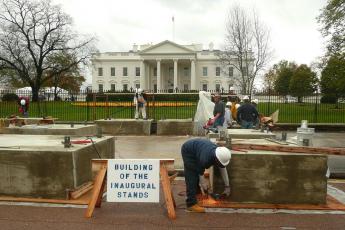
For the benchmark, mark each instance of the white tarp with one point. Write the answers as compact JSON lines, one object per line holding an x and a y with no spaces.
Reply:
{"x":204,"y":111}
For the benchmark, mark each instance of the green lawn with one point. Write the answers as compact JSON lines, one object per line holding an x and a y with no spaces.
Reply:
{"x":65,"y":111}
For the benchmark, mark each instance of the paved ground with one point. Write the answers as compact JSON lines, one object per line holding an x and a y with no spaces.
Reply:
{"x":153,"y":216}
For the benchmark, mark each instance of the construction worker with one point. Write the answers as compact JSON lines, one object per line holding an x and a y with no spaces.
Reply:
{"x":247,"y":114}
{"x":256,"y":123}
{"x":218,"y":112}
{"x":198,"y":155}
{"x":140,"y":104}
{"x":23,"y":103}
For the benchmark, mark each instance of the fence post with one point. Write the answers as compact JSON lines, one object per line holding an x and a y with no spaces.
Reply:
{"x":315,"y":108}
{"x":269,"y":101}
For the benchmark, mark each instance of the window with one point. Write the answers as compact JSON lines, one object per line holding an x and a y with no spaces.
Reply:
{"x":244,"y":71}
{"x":204,"y":71}
{"x":185,"y":87}
{"x":100,"y":71}
{"x":112,"y":71}
{"x":125,"y":87}
{"x":155,"y":72}
{"x":217,"y":87}
{"x":124,"y":71}
{"x":231,"y":71}
{"x":100,"y":87}
{"x":137,"y":71}
{"x":204,"y":87}
{"x":185,"y":71}
{"x":217,"y":71}
{"x":155,"y":88}
{"x":137,"y":86}
{"x":112,"y":87}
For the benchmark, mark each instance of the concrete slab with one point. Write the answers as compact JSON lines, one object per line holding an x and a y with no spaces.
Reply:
{"x":244,"y":134}
{"x":40,"y":166}
{"x":54,"y":129}
{"x":275,"y":177}
{"x":175,"y":127}
{"x":125,"y":126}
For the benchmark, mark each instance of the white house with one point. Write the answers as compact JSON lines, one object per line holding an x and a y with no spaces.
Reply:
{"x":163,"y":66}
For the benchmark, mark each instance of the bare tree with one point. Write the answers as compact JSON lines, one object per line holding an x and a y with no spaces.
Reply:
{"x":246,"y":47}
{"x":31,"y":32}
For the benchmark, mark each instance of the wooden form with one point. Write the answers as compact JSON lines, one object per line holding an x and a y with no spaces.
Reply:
{"x":100,"y":167}
{"x":293,"y":149}
{"x":331,"y":205}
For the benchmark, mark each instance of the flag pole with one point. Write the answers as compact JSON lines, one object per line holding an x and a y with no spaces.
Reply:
{"x":173,"y":28}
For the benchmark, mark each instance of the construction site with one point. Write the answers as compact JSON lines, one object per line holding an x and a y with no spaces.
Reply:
{"x":53,"y":175}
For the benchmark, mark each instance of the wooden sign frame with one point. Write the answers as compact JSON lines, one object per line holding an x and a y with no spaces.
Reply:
{"x":100,"y":165}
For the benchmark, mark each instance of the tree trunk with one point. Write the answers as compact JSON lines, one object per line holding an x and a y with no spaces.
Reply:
{"x":34,"y":93}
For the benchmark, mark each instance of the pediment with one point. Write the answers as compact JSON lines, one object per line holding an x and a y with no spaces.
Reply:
{"x":167,"y":47}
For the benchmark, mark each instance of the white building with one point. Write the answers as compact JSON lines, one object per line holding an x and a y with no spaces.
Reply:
{"x":163,"y":66}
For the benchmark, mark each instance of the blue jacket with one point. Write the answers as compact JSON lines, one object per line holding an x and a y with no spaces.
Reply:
{"x":199,"y":154}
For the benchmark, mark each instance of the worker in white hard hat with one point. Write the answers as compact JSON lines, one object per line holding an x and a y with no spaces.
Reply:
{"x":140,"y":104}
{"x":247,"y":114}
{"x":198,"y":155}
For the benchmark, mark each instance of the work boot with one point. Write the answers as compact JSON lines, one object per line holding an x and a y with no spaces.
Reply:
{"x":196,"y":208}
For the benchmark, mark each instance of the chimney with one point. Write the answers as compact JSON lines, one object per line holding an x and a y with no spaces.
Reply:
{"x":135,"y":47}
{"x":210,"y":46}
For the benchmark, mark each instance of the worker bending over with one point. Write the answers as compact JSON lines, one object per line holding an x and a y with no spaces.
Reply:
{"x":198,"y":155}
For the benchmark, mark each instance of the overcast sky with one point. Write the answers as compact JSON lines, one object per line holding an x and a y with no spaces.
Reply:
{"x":118,"y":24}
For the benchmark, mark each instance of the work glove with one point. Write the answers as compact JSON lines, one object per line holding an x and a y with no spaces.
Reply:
{"x":204,"y":183}
{"x":226,"y":191}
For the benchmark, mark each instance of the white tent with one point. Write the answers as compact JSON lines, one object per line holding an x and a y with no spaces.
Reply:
{"x":204,"y":111}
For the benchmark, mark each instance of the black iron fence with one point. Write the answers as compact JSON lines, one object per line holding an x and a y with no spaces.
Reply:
{"x":90,"y":105}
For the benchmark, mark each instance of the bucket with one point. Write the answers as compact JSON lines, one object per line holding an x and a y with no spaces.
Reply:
{"x":305,"y":136}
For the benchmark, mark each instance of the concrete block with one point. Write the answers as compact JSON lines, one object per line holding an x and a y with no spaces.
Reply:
{"x":125,"y":126}
{"x":54,"y":129}
{"x":40,"y":167}
{"x":175,"y":127}
{"x":276,"y":178}
{"x":244,"y":134}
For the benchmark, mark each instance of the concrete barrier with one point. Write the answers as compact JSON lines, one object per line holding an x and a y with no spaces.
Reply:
{"x":55,"y":129}
{"x":276,"y":178}
{"x":175,"y":127}
{"x":125,"y":126}
{"x":40,"y":167}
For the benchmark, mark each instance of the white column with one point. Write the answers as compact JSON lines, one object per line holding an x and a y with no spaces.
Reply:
{"x":192,"y":73}
{"x":175,"y":74}
{"x":158,"y":74}
{"x":142,"y":75}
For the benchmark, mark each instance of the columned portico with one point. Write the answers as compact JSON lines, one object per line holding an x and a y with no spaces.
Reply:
{"x":192,"y":73}
{"x":158,"y":74}
{"x":142,"y":74}
{"x":175,"y":73}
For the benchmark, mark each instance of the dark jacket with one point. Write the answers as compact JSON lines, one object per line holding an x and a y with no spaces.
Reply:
{"x":199,"y":154}
{"x":247,"y":112}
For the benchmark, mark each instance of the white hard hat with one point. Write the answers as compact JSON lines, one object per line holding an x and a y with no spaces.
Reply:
{"x":256,"y":101}
{"x":22,"y":102}
{"x":232,"y":88}
{"x":223,"y":155}
{"x":246,"y":98}
{"x":140,"y":90}
{"x":228,"y":103}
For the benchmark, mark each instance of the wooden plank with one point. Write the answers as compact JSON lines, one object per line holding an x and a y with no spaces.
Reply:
{"x":293,"y":149}
{"x":96,"y":192}
{"x":81,"y":190}
{"x":332,"y":204}
{"x":167,"y":192}
{"x":42,"y":200}
{"x":100,"y":195}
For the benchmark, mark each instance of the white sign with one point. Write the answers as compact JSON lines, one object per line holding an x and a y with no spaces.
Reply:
{"x":133,"y":180}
